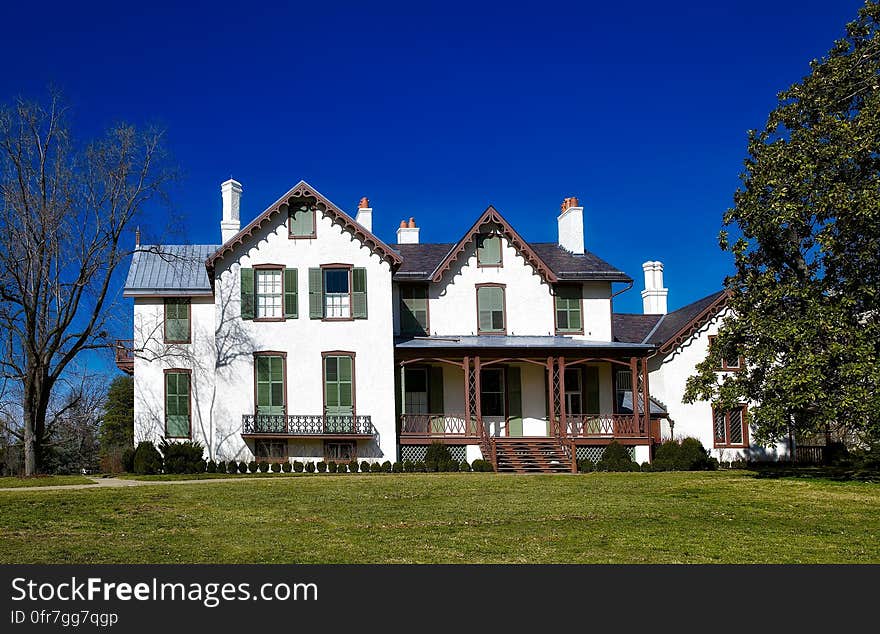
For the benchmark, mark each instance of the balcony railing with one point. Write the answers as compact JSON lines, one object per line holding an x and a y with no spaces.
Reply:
{"x":440,"y":425}
{"x":124,"y":353}
{"x":300,"y":425}
{"x":601,"y":426}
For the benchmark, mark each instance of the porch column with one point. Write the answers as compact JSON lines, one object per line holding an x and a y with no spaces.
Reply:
{"x":466,"y":366}
{"x":477,"y":405}
{"x":402,"y":397}
{"x":562,"y":422}
{"x":551,"y":398}
{"x":646,"y":397}
{"x":634,"y":372}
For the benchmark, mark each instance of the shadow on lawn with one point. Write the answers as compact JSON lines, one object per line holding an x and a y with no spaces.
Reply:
{"x":837,"y":473}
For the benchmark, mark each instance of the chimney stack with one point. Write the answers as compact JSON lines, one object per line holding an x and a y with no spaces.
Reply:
{"x":408,"y":233}
{"x":571,"y":226}
{"x":654,"y":295}
{"x":365,"y":214}
{"x":230,"y":192}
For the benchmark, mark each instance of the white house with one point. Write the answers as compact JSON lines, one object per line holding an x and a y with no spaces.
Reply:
{"x":304,"y":336}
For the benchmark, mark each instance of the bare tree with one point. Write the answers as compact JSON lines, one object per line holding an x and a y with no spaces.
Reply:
{"x":65,"y":213}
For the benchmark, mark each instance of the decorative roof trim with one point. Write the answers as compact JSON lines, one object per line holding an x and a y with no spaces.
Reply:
{"x":337,"y":216}
{"x":695,"y":324}
{"x":492,"y":216}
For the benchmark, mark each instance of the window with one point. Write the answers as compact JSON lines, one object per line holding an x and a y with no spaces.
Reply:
{"x":177,"y":404}
{"x":568,"y":309}
{"x":574,"y":392}
{"x":338,"y":384}
{"x":301,"y":221}
{"x":274,"y":450}
{"x":338,"y":292}
{"x":268,"y":293}
{"x":270,"y":383}
{"x":489,"y":250}
{"x":730,"y":427}
{"x":492,"y":401}
{"x":490,"y":309}
{"x":732,"y":364}
{"x":414,"y":310}
{"x":623,"y":391}
{"x":339,"y":451}
{"x":416,"y":394}
{"x":177,"y":323}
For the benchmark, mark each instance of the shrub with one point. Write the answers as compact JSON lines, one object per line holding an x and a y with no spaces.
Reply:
{"x":465,"y":467}
{"x":353,"y":466}
{"x":375,"y":468}
{"x":310,"y":466}
{"x":146,"y":460}
{"x":242,"y":467}
{"x":298,"y":466}
{"x":481,"y":465}
{"x":264,"y":467}
{"x":128,"y":460}
{"x":692,"y":456}
{"x":332,"y":467}
{"x":409,"y":466}
{"x":397,"y":468}
{"x":586,"y":466}
{"x":386,"y":466}
{"x":286,"y":467}
{"x":201,"y":466}
{"x":437,"y":455}
{"x":666,"y":456}
{"x":321,"y":466}
{"x":222,"y":466}
{"x":452,"y":466}
{"x":212,"y":467}
{"x":616,"y":458}
{"x":646,"y":467}
{"x":365,"y":467}
{"x":276,"y":467}
{"x":252,"y":466}
{"x":421,"y":467}
{"x":182,"y":457}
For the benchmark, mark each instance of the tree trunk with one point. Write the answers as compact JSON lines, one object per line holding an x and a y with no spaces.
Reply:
{"x":36,"y":404}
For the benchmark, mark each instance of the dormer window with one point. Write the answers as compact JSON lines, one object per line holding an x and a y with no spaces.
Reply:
{"x":301,"y":222}
{"x":732,"y":364}
{"x":489,"y":250}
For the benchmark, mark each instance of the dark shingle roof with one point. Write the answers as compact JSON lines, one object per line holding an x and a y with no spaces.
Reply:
{"x":169,"y":269}
{"x":522,"y":341}
{"x":673,"y":322}
{"x":632,"y":327}
{"x":420,"y":260}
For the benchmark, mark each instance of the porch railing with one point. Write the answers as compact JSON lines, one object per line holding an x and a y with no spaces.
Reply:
{"x":124,"y":354}
{"x":306,"y":425}
{"x":601,"y":426}
{"x":439,"y":425}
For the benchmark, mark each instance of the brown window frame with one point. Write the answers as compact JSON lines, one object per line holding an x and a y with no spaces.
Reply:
{"x":745,"y":428}
{"x":500,"y":250}
{"x":338,"y":265}
{"x":267,"y":267}
{"x":724,"y":367}
{"x":165,"y":372}
{"x":556,"y":314}
{"x":338,"y":353}
{"x":314,"y":233}
{"x":427,"y":288}
{"x":503,"y":287}
{"x":188,"y":302}
{"x":270,"y":458}
{"x":271,"y":353}
{"x":328,"y":458}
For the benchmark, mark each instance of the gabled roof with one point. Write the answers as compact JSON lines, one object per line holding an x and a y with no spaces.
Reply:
{"x":576,"y":267}
{"x":492,"y":220}
{"x":169,"y":270}
{"x":303,"y":190}
{"x":670,"y":330}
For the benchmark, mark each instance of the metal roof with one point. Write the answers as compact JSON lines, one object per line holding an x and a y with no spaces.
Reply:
{"x":169,"y":269}
{"x":501,"y":342}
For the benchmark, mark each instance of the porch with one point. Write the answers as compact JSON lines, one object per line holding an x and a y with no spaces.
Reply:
{"x":327,"y":427}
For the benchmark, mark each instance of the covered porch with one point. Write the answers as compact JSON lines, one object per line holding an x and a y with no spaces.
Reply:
{"x":485,"y":390}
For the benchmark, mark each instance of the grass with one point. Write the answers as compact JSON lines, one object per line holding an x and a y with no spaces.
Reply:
{"x":42,"y":481}
{"x":707,"y":517}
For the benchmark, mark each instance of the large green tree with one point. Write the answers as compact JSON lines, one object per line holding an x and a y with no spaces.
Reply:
{"x":117,"y":425}
{"x":805,"y":235}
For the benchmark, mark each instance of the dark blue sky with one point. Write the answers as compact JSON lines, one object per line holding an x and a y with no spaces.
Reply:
{"x":434,"y":111}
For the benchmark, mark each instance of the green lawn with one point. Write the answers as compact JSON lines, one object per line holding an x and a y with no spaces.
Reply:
{"x":601,"y":517}
{"x":42,"y":481}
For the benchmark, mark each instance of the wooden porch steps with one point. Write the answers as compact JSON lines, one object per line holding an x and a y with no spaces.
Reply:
{"x":530,"y":455}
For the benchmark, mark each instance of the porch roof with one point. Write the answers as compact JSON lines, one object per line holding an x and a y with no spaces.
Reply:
{"x":498,"y":342}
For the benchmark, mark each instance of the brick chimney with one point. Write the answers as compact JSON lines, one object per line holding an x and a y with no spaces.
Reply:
{"x":571,"y":226}
{"x":230,"y":192}
{"x":408,"y":233}
{"x":654,"y":295}
{"x":365,"y":214}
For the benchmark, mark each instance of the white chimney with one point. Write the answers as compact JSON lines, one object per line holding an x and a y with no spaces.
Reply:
{"x":654,"y":295}
{"x":571,"y":226}
{"x":230,"y":192}
{"x":365,"y":214}
{"x":408,"y":233}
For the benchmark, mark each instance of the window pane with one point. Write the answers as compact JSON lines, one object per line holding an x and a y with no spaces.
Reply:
{"x":416,"y":380}
{"x":574,"y":318}
{"x":497,"y":320}
{"x":336,"y":281}
{"x":720,"y":431}
{"x":302,"y":222}
{"x":736,"y":427}
{"x":572,"y":380}
{"x":345,"y":368}
{"x":178,"y":426}
{"x":331,"y":368}
{"x":263,"y":395}
{"x":562,"y":319}
{"x":489,"y":250}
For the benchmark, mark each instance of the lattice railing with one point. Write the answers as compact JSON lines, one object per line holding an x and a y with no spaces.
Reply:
{"x":436,"y":425}
{"x":307,"y":425}
{"x":601,"y":425}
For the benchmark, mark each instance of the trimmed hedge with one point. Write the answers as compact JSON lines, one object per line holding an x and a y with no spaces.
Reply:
{"x":687,"y":454}
{"x":146,"y":459}
{"x":182,"y":457}
{"x":353,"y":466}
{"x":616,"y":458}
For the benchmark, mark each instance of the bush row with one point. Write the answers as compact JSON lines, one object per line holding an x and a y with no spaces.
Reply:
{"x":687,"y":454}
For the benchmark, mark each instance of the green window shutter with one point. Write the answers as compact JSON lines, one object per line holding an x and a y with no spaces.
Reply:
{"x":414,"y":310}
{"x":302,"y":222}
{"x":489,"y":250}
{"x":177,"y":424}
{"x":177,"y":320}
{"x":270,"y":384}
{"x":568,"y":309}
{"x":435,"y":390}
{"x":247,"y":293}
{"x":514,"y":401}
{"x":316,"y":294}
{"x":591,"y":389}
{"x":291,"y":296}
{"x":490,"y":300}
{"x":359,"y":293}
{"x":338,"y":397}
